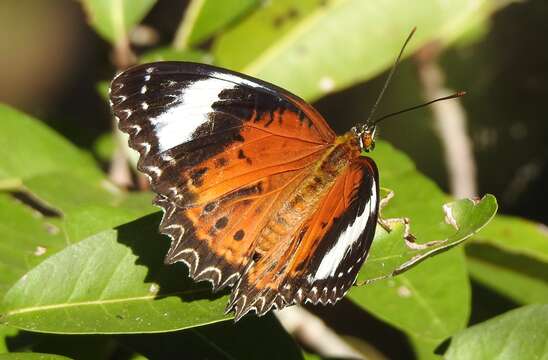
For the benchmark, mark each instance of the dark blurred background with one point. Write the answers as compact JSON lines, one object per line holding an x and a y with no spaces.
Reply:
{"x":52,"y":61}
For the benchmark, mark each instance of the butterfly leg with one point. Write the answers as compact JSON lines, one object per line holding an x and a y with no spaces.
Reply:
{"x":388,"y":224}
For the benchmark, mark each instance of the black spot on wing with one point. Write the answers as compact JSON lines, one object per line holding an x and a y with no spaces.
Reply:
{"x":220,"y":162}
{"x":221,"y":223}
{"x":210,"y":207}
{"x":239,"y":235}
{"x":197,"y":176}
{"x":241,"y":155}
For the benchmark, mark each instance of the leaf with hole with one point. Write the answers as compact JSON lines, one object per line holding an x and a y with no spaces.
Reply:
{"x":432,"y":299}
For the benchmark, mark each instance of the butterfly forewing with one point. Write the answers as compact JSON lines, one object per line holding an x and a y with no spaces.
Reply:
{"x":179,"y":115}
{"x":221,"y":151}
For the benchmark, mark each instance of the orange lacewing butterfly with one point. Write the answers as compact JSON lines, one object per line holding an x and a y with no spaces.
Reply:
{"x":258,"y":192}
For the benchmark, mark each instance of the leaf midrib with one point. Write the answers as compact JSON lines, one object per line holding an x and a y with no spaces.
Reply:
{"x":100,"y":302}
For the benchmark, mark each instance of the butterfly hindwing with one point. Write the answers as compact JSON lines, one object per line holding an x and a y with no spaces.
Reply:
{"x":323,"y":256}
{"x":325,"y":272}
{"x":216,"y":240}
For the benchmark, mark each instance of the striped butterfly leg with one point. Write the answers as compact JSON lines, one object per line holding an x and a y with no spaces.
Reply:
{"x":388,"y":224}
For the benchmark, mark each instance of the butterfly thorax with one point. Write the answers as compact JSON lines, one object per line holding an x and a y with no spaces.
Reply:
{"x":306,"y":197}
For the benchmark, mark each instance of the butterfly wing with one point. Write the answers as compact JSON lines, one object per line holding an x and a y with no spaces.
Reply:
{"x":220,"y":149}
{"x":326,"y":252}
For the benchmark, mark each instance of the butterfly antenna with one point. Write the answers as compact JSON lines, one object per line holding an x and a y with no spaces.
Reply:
{"x":453,"y":96}
{"x":389,"y":78}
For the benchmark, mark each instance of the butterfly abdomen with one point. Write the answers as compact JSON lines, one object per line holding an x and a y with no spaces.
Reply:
{"x":304,"y":200}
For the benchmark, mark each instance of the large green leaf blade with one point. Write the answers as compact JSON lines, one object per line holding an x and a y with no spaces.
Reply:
{"x":113,"y":282}
{"x":314,"y":47}
{"x":518,"y":334}
{"x":113,"y":19}
{"x":60,"y":196}
{"x":79,"y":209}
{"x":170,"y":54}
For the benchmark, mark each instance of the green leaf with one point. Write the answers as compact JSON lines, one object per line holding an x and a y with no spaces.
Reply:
{"x":518,"y":334}
{"x":511,"y":257}
{"x":88,"y":207}
{"x":80,"y":208}
{"x":432,"y":300}
{"x":6,"y":331}
{"x":30,"y":148}
{"x":110,"y":255}
{"x":113,"y":19}
{"x":137,"y":357}
{"x":31,"y":356}
{"x":66,"y":196}
{"x":516,"y":236}
{"x":251,"y":338}
{"x":169,"y":54}
{"x":203,"y":18}
{"x":313,"y":47}
{"x":310,"y":356}
{"x":391,"y":255}
{"x":104,"y":147}
{"x":102,"y":89}
{"x":26,"y":238}
{"x":424,"y":348}
{"x":518,"y":277}
{"x":113,"y":282}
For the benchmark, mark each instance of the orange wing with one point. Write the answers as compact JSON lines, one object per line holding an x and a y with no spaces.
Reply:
{"x":220,"y":149}
{"x":325,"y":253}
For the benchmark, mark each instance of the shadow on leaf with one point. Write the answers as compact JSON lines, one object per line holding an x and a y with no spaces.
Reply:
{"x":150,"y":247}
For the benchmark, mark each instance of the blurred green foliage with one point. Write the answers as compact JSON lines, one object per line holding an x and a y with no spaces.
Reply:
{"x":89,"y":262}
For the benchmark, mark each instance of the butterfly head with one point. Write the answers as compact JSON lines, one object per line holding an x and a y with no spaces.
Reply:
{"x":365,"y":135}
